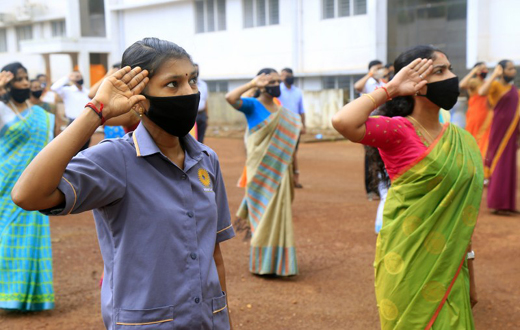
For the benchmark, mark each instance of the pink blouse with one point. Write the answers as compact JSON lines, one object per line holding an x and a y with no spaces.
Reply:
{"x":397,"y":140}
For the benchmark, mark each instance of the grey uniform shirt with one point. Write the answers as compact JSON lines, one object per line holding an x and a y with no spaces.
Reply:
{"x":157,"y":227}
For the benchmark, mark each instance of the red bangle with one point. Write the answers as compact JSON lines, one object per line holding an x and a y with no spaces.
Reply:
{"x":99,"y":111}
{"x":388,"y":98}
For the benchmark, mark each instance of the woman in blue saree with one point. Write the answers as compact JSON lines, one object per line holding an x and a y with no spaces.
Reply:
{"x":25,"y":243}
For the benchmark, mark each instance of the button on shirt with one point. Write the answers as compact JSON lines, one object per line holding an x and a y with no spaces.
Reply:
{"x":157,"y":231}
{"x":292,"y":98}
{"x":73,"y":98}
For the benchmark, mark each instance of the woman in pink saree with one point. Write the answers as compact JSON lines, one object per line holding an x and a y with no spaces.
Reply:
{"x":500,"y":161}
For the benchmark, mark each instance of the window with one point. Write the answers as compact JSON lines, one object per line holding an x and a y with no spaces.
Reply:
{"x":343,"y":8}
{"x":23,"y":32}
{"x":217,"y":86}
{"x":92,"y":15}
{"x":336,"y":82}
{"x":3,"y":41}
{"x":261,"y":13}
{"x":210,"y":15}
{"x":58,"y":28}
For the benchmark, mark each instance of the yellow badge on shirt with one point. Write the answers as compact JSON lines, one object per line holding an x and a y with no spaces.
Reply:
{"x":205,"y":179}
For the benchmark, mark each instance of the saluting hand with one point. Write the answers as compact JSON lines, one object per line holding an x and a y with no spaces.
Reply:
{"x":498,"y":72}
{"x":410,"y":79}
{"x":121,"y":91}
{"x":261,"y":80}
{"x":5,"y":78}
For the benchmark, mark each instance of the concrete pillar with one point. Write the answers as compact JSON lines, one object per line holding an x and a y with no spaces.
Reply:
{"x":47,"y":63}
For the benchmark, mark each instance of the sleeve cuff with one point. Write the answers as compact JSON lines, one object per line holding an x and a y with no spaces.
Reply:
{"x":70,"y":199}
{"x":225,"y":233}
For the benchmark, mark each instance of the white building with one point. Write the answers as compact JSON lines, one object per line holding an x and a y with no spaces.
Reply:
{"x":328,"y":43}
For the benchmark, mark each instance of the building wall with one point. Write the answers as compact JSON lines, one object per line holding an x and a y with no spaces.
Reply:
{"x":303,"y":40}
{"x":493,"y":31}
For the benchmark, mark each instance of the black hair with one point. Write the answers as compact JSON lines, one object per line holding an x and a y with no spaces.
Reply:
{"x":374,"y":62}
{"x":151,"y":53}
{"x":13,"y":68}
{"x":387,"y":66}
{"x":403,"y":105}
{"x":398,"y":106}
{"x":478,"y":63}
{"x":266,"y":71}
{"x":34,"y":80}
{"x":116,"y":65}
{"x":503,"y":63}
{"x":41,"y":75}
{"x":288,"y":70}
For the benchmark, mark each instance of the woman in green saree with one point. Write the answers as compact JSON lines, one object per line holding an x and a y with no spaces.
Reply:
{"x":422,"y":274}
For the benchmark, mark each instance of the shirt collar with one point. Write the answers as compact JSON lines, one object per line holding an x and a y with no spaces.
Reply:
{"x":145,"y":145}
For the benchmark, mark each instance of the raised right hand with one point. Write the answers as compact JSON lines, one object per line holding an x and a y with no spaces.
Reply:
{"x":121,"y":91}
{"x":410,"y":79}
{"x":498,"y":71}
{"x":261,"y":80}
{"x":5,"y":78}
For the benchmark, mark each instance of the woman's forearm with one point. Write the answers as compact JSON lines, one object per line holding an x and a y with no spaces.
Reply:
{"x":221,"y":270}
{"x":350,"y":120}
{"x":484,"y":89}
{"x":36,"y":188}
{"x":234,"y":96}
{"x":360,"y":84}
{"x":464,"y":82}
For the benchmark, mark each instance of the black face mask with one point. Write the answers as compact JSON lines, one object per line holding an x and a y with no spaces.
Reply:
{"x":443,"y":93}
{"x":176,"y":115}
{"x":289,"y":80}
{"x":483,"y":75}
{"x":37,"y":94}
{"x":20,"y":95}
{"x":509,"y":79}
{"x":79,"y":82}
{"x":274,"y":91}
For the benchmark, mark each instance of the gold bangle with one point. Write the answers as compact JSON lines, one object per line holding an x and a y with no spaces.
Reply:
{"x":373,"y":100}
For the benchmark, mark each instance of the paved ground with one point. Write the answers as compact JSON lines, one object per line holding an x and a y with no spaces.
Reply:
{"x":335,"y":244}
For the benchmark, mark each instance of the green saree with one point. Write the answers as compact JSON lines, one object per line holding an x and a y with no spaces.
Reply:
{"x":422,"y":280}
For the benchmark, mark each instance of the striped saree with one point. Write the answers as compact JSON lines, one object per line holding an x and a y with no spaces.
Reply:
{"x":269,"y":193}
{"x":25,"y":243}
{"x":422,"y":280}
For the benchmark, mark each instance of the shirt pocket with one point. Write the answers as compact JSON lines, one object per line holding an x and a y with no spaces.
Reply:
{"x":160,"y":318}
{"x":220,"y":313}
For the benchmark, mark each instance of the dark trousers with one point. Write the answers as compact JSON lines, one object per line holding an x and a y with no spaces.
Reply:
{"x":368,"y":175}
{"x":202,"y":124}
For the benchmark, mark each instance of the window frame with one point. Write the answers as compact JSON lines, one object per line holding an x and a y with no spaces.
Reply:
{"x":18,"y":28}
{"x":267,"y":11}
{"x":336,"y":6}
{"x":63,"y":27}
{"x":5,"y":43}
{"x":216,"y":16}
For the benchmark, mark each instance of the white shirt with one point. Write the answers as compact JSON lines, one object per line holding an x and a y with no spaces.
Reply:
{"x":73,"y":98}
{"x":203,"y":89}
{"x":371,"y":85}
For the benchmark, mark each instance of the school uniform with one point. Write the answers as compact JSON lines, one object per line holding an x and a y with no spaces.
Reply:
{"x":157,"y":227}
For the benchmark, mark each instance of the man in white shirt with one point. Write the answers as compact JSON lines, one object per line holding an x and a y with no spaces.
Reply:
{"x":373,"y":79}
{"x":202,"y":116}
{"x":74,"y":96}
{"x":291,"y":98}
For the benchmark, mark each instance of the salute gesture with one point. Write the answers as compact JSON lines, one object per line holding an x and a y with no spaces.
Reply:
{"x":5,"y":78}
{"x":261,"y":80}
{"x":121,"y":91}
{"x":410,"y":79}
